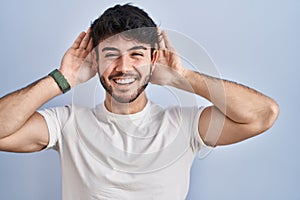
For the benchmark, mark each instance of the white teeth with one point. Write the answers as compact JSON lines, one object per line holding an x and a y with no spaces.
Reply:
{"x":125,"y":81}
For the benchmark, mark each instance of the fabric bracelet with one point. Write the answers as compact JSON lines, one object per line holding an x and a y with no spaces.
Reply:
{"x":60,"y":80}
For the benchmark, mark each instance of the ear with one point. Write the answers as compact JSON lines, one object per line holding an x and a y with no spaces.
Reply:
{"x":154,"y":59}
{"x":95,"y":64}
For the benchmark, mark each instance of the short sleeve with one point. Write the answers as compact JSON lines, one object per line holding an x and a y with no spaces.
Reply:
{"x":55,"y":119}
{"x":197,"y":142}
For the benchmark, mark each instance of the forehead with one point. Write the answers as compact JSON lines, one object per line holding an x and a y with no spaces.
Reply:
{"x":121,"y":43}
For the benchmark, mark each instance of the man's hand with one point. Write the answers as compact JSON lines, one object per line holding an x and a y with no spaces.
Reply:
{"x":168,"y":67}
{"x":77,"y":64}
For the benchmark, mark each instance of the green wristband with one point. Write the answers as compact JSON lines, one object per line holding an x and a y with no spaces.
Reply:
{"x":60,"y":80}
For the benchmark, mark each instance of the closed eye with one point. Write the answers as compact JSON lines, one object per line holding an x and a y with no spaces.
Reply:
{"x":137,"y":54}
{"x":111,"y":55}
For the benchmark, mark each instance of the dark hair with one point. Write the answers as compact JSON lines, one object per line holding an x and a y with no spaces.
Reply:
{"x":131,"y":21}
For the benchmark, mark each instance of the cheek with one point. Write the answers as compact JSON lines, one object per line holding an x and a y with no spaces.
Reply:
{"x":106,"y":67}
{"x":144,"y":69}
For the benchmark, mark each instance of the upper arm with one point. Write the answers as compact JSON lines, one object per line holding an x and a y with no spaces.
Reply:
{"x":32,"y":136}
{"x":216,"y":129}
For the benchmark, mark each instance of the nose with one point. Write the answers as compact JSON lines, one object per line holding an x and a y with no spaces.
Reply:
{"x":124,"y":64}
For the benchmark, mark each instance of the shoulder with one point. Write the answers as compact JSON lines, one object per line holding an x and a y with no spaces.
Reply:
{"x":62,"y":114}
{"x":185,"y":110}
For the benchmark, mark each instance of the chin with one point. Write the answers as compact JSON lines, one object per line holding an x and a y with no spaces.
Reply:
{"x":125,"y":99}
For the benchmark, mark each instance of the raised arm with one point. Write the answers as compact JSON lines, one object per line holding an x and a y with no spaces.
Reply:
{"x":238,"y":112}
{"x":22,"y":129}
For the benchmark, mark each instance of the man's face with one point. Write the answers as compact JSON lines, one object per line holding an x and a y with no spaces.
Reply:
{"x":125,"y":67}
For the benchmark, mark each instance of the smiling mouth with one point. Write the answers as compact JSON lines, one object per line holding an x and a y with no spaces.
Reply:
{"x":124,"y":81}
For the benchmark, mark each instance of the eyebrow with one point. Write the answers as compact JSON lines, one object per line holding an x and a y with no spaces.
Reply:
{"x":109,"y":49}
{"x":132,"y":48}
{"x":138,"y":48}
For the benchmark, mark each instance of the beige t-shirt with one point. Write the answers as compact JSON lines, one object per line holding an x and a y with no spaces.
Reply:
{"x":147,"y":155}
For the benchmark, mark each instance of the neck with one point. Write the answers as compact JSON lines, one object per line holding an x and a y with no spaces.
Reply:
{"x":125,"y":108}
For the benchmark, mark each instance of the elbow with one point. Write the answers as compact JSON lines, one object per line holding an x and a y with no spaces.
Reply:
{"x":266,"y":118}
{"x":273,"y":113}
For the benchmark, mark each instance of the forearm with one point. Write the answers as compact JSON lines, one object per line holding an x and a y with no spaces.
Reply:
{"x":17,"y":107}
{"x":239,"y":103}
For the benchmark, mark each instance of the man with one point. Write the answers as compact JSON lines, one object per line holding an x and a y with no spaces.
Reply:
{"x":128,"y":147}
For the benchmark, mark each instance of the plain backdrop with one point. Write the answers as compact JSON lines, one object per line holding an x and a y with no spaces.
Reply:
{"x":255,"y":43}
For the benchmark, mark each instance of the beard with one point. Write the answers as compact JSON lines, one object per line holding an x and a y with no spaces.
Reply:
{"x":125,"y":99}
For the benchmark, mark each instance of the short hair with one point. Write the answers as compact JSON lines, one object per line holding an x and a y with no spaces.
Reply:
{"x":131,"y":21}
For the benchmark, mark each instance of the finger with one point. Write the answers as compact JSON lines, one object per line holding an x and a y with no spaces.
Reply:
{"x":78,"y":40}
{"x":159,"y":37}
{"x":85,"y":41}
{"x":167,"y":41}
{"x":90,"y":45}
{"x":161,"y":43}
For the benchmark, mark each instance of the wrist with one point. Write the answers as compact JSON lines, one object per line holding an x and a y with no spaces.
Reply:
{"x":60,"y":80}
{"x":186,"y":80}
{"x":180,"y":78}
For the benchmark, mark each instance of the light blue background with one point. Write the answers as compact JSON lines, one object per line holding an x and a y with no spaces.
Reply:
{"x":252,"y":42}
